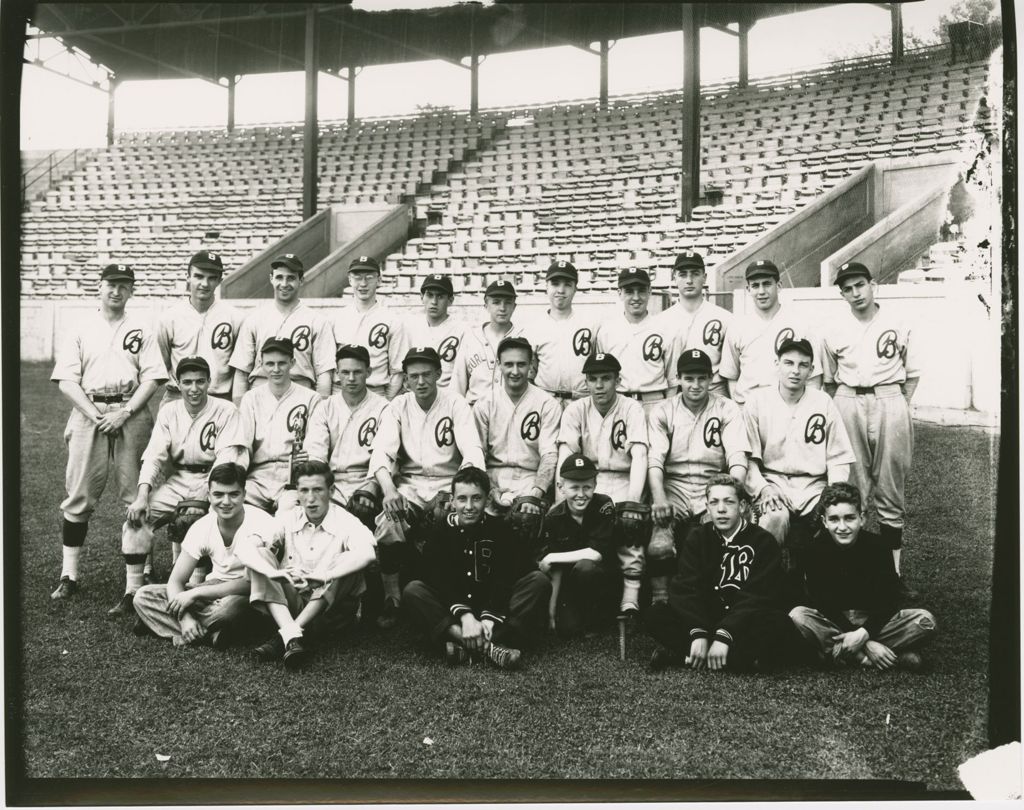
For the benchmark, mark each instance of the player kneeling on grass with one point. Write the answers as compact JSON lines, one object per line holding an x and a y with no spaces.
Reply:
{"x":725,"y":608}
{"x":307,"y":573}
{"x":851,"y":612}
{"x":480,"y":592}
{"x":218,"y":610}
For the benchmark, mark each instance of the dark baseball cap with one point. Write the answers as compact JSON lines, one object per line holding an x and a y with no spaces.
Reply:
{"x":364,"y":264}
{"x":851,"y":269}
{"x":352,"y":351}
{"x":438,"y":282}
{"x":562,"y":270}
{"x":192,"y":363}
{"x":688,"y":258}
{"x":514,"y":343}
{"x":501,"y":288}
{"x":578,"y":467}
{"x":803,"y":345}
{"x":596,"y":363}
{"x":762,"y":267}
{"x":278,"y":344}
{"x":627,"y":277}
{"x":290,"y":262}
{"x":117,"y":272}
{"x":207,"y":260}
{"x":693,"y":360}
{"x":421,"y":354}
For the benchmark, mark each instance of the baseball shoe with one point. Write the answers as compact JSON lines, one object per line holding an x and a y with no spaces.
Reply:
{"x":388,"y":617}
{"x":663,"y":658}
{"x":503,"y":657}
{"x":124,"y":607}
{"x":141,"y":629}
{"x":906,"y":593}
{"x":455,"y":654}
{"x":270,"y":650}
{"x":909,"y":661}
{"x":296,"y":654}
{"x":67,"y":588}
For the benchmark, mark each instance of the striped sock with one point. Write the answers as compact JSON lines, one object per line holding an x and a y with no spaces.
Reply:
{"x":134,"y":564}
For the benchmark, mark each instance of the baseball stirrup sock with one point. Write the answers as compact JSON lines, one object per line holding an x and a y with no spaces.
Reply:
{"x":631,"y":592}
{"x":659,"y":589}
{"x":149,"y":564}
{"x":391,"y":589}
{"x":73,"y":534}
{"x":69,"y":566}
{"x":134,"y":565}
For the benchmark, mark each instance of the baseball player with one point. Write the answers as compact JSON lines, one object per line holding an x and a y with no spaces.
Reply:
{"x":436,"y":327}
{"x":476,"y":365}
{"x":181,"y":451}
{"x":107,"y":367}
{"x":518,"y":426}
{"x":797,"y":445}
{"x":638,"y":340}
{"x":695,"y":436}
{"x":748,"y":360}
{"x":562,"y":337}
{"x":425,"y":436}
{"x":273,"y":420}
{"x":694,"y":322}
{"x":308,"y":574}
{"x":201,"y":326}
{"x":285,"y":317}
{"x":480,"y":592}
{"x":368,"y":322}
{"x":216,"y":611}
{"x":872,"y":368}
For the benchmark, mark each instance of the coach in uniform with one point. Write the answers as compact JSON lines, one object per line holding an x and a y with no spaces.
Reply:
{"x":476,"y":366}
{"x":286,"y":317}
{"x":107,"y":367}
{"x":872,"y":368}
{"x":436,"y":327}
{"x":201,"y":326}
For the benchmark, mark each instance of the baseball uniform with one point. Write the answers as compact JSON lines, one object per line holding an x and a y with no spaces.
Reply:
{"x":705,"y":328}
{"x":476,"y":369}
{"x":642,"y":349}
{"x":381,"y":331}
{"x":445,"y":338}
{"x":185,"y":332}
{"x":308,"y":330}
{"x":561,"y":346}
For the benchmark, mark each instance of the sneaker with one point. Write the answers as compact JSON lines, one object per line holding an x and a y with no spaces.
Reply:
{"x":906,"y":593}
{"x":270,"y":650}
{"x":296,"y":654}
{"x":141,"y":629}
{"x":909,"y":660}
{"x":68,"y":587}
{"x":503,"y":657}
{"x":388,"y":617}
{"x":663,"y":658}
{"x":124,"y":607}
{"x":455,"y":654}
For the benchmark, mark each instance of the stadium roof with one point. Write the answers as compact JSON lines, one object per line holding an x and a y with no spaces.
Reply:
{"x":213,"y":40}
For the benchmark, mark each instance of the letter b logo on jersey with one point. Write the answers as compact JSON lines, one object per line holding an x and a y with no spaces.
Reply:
{"x":784,"y":335}
{"x":652,"y":349}
{"x":713,"y":333}
{"x":379,"y":336}
{"x":207,"y":437}
{"x":366,"y":433}
{"x":713,"y":432}
{"x":886,"y":348}
{"x":221,"y":337}
{"x":814,"y":430}
{"x":297,"y":420}
{"x":530,"y":427}
{"x":619,"y":434}
{"x":581,"y":342}
{"x":133,"y":341}
{"x":444,"y":432}
{"x":446,"y":351}
{"x":301,"y":338}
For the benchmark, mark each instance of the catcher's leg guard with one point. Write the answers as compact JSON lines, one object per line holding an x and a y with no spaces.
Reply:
{"x":661,"y":554}
{"x":136,"y":540}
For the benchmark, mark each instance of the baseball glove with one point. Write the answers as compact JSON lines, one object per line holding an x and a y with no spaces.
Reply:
{"x":136,"y":540}
{"x":632,"y":523}
{"x":185,"y":514}
{"x":662,"y":545}
{"x":526,"y":525}
{"x":365,"y":506}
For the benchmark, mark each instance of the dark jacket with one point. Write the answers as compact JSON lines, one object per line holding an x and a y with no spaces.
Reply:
{"x":857,"y":577}
{"x":718,"y":587}
{"x":562,"y":533}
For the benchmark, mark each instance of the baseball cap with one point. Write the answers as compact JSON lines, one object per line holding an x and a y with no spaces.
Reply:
{"x":421,"y":354}
{"x":513,"y":343}
{"x":117,"y":272}
{"x":352,"y":351}
{"x":207,"y":260}
{"x":562,"y":270}
{"x":688,"y":258}
{"x":438,"y":282}
{"x":500,"y":288}
{"x":289,"y":261}
{"x":693,"y":360}
{"x":578,"y":467}
{"x":851,"y":269}
{"x":278,"y":344}
{"x":364,"y":264}
{"x":596,"y":363}
{"x":627,"y":277}
{"x":803,"y":345}
{"x":192,"y":363}
{"x":762,"y":267}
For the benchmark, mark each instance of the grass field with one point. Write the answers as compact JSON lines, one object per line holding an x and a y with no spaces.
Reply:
{"x":98,"y":702}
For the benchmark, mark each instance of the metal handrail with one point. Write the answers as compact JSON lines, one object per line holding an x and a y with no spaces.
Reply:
{"x":26,"y":183}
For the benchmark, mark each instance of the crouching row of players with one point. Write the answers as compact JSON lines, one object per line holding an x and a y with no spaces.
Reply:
{"x":478,"y":591}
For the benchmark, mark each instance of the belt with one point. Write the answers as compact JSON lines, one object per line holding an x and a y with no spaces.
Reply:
{"x":561,"y":394}
{"x":106,"y":399}
{"x":870,"y":389}
{"x":646,"y":396}
{"x":196,"y":468}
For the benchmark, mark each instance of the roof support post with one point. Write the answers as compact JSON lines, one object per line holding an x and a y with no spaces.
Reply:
{"x":474,"y":66}
{"x":232,"y":81}
{"x":896,"y":16}
{"x":310,"y":133}
{"x":603,"y":91}
{"x":690,"y":169}
{"x":114,"y":82}
{"x":351,"y":108}
{"x":744,"y":41}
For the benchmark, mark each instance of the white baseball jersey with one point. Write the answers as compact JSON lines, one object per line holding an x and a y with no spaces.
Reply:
{"x":185,"y":332}
{"x":308,"y":330}
{"x":381,"y":331}
{"x":445,"y":338}
{"x":874,"y":353}
{"x":343,"y":437}
{"x":517,"y":434}
{"x":179,"y":438}
{"x":205,"y":540}
{"x":606,"y":440}
{"x":751,"y":343}
{"x":561,"y":347}
{"x":267,"y":426}
{"x":796,"y":444}
{"x":109,"y":358}
{"x":476,"y":369}
{"x":642,"y":350}
{"x":705,"y":328}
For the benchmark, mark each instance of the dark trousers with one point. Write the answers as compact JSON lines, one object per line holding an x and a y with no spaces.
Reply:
{"x":525,"y":620}
{"x":587,"y":598}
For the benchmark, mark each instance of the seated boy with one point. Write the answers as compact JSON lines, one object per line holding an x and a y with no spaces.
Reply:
{"x":577,"y":551}
{"x":307,"y":573}
{"x":480,"y":592}
{"x":851,"y":615}
{"x":725,"y":600}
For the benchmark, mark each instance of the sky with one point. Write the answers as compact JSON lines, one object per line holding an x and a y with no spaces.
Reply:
{"x":59,"y":113}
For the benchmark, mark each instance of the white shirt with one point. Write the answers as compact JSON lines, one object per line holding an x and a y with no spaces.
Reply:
{"x":204,"y":539}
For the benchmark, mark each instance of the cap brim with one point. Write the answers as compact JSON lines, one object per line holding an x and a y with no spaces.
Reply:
{"x":763,"y":274}
{"x":500,"y":294}
{"x":694,"y":369}
{"x":562,"y":274}
{"x":213,"y":268}
{"x":438,"y":287}
{"x":117,"y":277}
{"x":573,"y":475}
